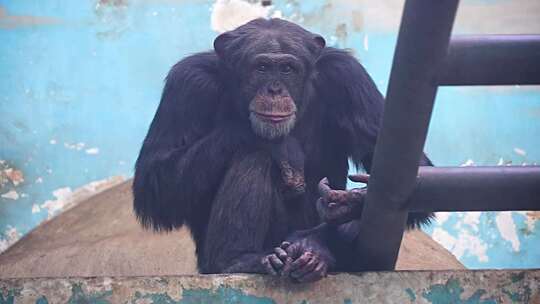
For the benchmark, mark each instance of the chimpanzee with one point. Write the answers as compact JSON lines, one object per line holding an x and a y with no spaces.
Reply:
{"x":241,"y":138}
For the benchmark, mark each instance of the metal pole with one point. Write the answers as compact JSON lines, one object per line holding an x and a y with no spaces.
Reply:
{"x":421,"y":48}
{"x":476,"y":189}
{"x":492,"y":60}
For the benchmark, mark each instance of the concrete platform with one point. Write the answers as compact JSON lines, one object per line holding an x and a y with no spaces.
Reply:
{"x":444,"y":287}
{"x":99,"y":236}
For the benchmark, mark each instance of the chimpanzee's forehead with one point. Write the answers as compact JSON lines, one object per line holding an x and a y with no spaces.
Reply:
{"x":276,"y":42}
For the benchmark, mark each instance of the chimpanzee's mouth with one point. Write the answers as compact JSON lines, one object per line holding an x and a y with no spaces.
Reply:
{"x":274,"y":116}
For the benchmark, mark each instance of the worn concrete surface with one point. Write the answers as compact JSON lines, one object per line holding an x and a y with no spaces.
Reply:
{"x":444,"y":287}
{"x":99,"y":236}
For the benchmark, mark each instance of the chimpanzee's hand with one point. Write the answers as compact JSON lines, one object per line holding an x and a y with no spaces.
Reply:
{"x":307,"y":260}
{"x":340,"y":206}
{"x":274,"y":262}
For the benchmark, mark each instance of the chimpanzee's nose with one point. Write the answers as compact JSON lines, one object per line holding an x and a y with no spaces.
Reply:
{"x":275,"y":88}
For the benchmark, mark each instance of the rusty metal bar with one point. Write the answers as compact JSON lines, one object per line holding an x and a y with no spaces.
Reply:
{"x":499,"y":188}
{"x":492,"y":60}
{"x":421,"y":48}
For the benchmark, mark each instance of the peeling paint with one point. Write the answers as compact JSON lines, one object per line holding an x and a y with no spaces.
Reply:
{"x":8,"y":174}
{"x":442,"y":217}
{"x":468,"y":163}
{"x":12,"y":195}
{"x":472,"y":219}
{"x":74,"y":146}
{"x":411,"y":294}
{"x":65,"y":198}
{"x":36,"y":208}
{"x":451,"y":292}
{"x":520,"y":151}
{"x":441,"y":287}
{"x":201,"y":295}
{"x":464,"y":244}
{"x":10,"y":236}
{"x":229,"y":14}
{"x":8,"y":21}
{"x":78,"y":295}
{"x":92,"y":151}
{"x":16,"y":176}
{"x":507,"y":229}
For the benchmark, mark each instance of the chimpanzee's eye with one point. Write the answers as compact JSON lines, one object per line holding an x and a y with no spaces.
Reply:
{"x":286,"y":69}
{"x":262,"y":67}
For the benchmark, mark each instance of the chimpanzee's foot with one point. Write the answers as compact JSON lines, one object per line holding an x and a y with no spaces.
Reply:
{"x":341,"y":206}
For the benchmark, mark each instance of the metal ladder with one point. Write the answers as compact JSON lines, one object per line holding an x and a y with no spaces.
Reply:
{"x":426,"y":57}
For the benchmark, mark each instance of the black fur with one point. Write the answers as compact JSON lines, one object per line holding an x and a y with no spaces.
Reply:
{"x":201,"y":164}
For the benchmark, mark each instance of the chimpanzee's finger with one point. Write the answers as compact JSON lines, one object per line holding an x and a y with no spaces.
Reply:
{"x":281,"y":253}
{"x":301,"y":261}
{"x":285,"y":244}
{"x":318,"y":273}
{"x":268,"y":266}
{"x":277,"y":263}
{"x":307,"y":268}
{"x":292,"y":252}
{"x":324,"y":187}
{"x":359,"y":178}
{"x":337,"y":197}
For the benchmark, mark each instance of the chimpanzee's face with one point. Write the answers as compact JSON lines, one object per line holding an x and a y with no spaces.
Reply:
{"x":274,"y":86}
{"x":272,"y":62}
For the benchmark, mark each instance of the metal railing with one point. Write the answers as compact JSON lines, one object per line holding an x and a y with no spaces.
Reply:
{"x":425,"y":57}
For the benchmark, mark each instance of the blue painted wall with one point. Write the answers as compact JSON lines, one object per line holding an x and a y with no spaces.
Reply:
{"x":80,"y":81}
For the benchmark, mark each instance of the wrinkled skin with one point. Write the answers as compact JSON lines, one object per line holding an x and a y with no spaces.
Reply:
{"x":304,"y":259}
{"x":341,"y":206}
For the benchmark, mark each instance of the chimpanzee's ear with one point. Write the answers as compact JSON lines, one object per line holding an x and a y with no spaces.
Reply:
{"x":220,"y":44}
{"x":320,"y":41}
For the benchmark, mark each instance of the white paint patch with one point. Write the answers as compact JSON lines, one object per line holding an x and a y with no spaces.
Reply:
{"x":501,"y":162}
{"x":507,"y":229}
{"x":39,"y":180}
{"x":229,"y":14}
{"x":78,"y":146}
{"x":35,"y":208}
{"x":92,"y":151}
{"x":472,"y":219}
{"x":11,"y":235}
{"x":519,"y":151}
{"x":277,"y":14}
{"x":53,"y":141}
{"x":13,"y":195}
{"x":62,"y":200}
{"x":465,"y":243}
{"x":366,"y":42}
{"x":442,"y":217}
{"x":65,"y":198}
{"x":468,"y":163}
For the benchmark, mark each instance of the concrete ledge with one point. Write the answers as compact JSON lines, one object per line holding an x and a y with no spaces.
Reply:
{"x":100,"y":237}
{"x":491,"y":286}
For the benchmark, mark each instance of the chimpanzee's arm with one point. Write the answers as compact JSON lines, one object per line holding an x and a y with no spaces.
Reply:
{"x":241,"y":215}
{"x":171,"y":187}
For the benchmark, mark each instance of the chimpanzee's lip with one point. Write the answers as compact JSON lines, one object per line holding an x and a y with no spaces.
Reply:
{"x":274,"y":116}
